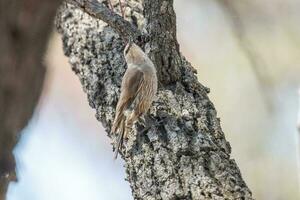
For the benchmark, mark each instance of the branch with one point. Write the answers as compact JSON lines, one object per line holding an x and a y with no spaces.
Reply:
{"x":98,"y":10}
{"x":186,"y":156}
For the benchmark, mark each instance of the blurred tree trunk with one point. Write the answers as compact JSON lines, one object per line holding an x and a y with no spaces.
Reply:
{"x":184,"y":157}
{"x":24,"y":30}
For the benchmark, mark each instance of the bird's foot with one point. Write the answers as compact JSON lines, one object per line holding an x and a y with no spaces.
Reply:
{"x":147,"y":123}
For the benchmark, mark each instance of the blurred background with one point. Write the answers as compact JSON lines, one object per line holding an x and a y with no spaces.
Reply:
{"x":247,"y":52}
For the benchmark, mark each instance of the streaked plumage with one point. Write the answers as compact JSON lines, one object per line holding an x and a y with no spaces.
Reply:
{"x":138,"y":89}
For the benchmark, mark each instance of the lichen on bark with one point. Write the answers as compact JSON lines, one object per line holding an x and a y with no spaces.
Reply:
{"x":184,"y":153}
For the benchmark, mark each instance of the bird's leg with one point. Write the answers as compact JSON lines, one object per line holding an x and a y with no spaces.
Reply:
{"x":121,"y":8}
{"x":147,"y":122}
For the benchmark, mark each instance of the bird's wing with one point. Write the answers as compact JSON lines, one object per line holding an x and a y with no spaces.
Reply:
{"x":131,"y":83}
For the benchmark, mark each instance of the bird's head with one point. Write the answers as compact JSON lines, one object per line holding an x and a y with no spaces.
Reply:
{"x":134,"y":54}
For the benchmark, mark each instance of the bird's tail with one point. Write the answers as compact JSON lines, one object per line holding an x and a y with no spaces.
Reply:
{"x":116,"y":125}
{"x":122,"y":133}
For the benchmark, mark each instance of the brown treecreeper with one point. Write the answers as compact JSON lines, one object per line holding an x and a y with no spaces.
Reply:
{"x":138,"y":89}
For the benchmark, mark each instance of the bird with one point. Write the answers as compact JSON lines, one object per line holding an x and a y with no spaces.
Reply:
{"x":138,"y":90}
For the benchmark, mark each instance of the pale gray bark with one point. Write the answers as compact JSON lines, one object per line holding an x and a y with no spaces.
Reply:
{"x":24,"y":30}
{"x":186,"y":156}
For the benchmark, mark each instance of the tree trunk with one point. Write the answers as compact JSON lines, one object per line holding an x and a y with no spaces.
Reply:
{"x":184,"y":154}
{"x":24,"y":30}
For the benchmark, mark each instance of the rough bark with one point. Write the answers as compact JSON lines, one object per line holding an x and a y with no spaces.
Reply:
{"x":99,"y":10}
{"x":184,"y":154}
{"x":24,"y":30}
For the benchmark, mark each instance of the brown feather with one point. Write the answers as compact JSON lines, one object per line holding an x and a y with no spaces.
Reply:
{"x":139,"y":86}
{"x":130,"y":86}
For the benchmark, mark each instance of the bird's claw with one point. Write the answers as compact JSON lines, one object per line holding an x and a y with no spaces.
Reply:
{"x":147,"y":123}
